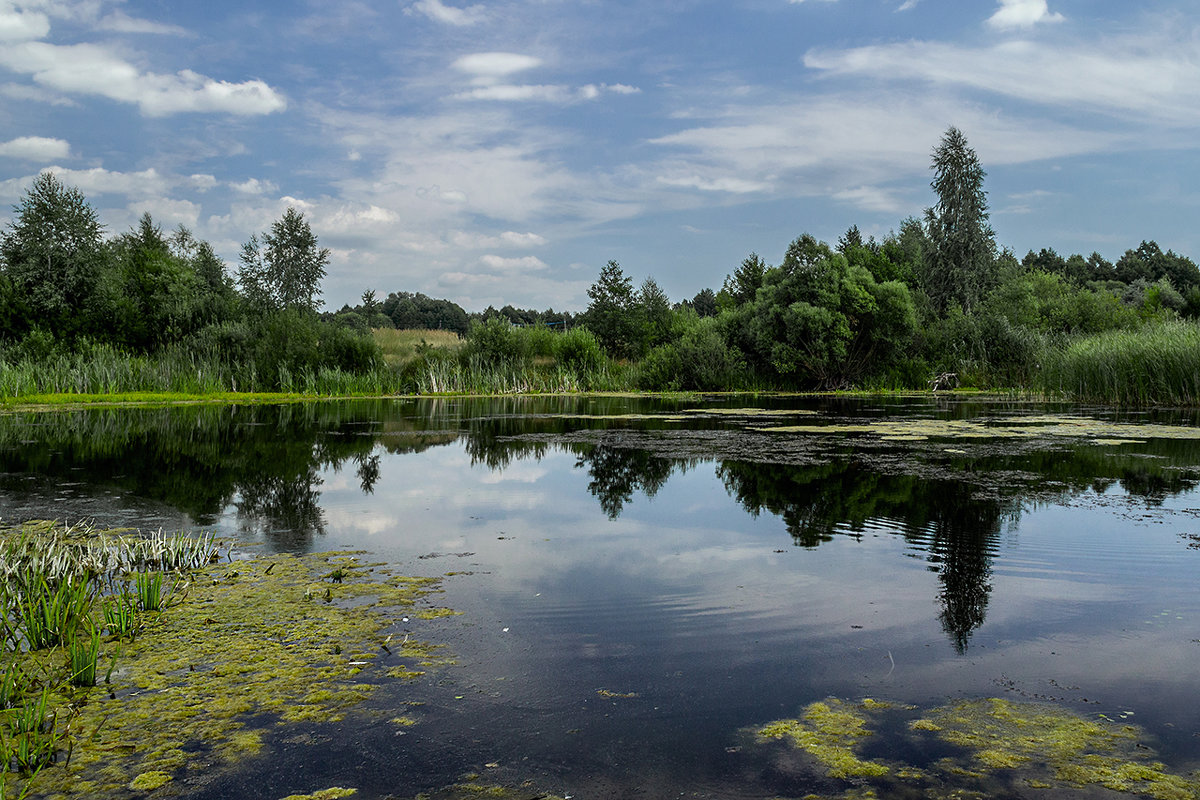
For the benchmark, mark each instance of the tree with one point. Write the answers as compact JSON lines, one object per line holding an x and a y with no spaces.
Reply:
{"x":705,"y":303}
{"x":53,"y":254}
{"x":286,"y":269}
{"x":963,"y":245}
{"x":655,"y":308}
{"x":822,"y":321}
{"x":609,"y":314}
{"x":745,"y":280}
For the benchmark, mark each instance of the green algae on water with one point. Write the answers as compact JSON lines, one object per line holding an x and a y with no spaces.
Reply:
{"x":830,"y":731}
{"x":1021,"y":427}
{"x":251,"y":646}
{"x":998,"y":744}
{"x":1054,"y":744}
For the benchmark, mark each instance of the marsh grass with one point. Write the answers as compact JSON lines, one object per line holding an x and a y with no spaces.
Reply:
{"x":121,"y":616}
{"x":29,"y":736}
{"x":1153,"y":365}
{"x":401,"y":346}
{"x":148,"y":588}
{"x":84,"y":652}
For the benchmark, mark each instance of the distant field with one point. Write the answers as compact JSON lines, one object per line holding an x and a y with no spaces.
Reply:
{"x":400,"y":346}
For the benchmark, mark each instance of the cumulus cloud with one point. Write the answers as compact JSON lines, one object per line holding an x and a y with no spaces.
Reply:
{"x":449,"y":15}
{"x":35,"y":148}
{"x":253,"y":186}
{"x":97,"y":182}
{"x":21,"y":25}
{"x":93,"y":69}
{"x":1022,"y":14}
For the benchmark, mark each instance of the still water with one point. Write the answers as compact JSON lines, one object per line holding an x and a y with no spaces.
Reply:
{"x":644,"y":581}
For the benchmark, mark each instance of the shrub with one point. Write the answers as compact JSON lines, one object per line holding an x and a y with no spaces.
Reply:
{"x":579,"y":350}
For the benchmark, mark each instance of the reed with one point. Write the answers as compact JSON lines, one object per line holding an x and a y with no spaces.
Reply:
{"x":1158,"y":364}
{"x":148,"y":588}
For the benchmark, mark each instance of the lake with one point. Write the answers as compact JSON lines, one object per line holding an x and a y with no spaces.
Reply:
{"x":646,"y":583}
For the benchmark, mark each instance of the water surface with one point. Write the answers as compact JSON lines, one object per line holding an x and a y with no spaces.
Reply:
{"x":643,"y":582}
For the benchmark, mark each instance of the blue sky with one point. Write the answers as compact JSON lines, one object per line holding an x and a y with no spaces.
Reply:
{"x":494,"y":152}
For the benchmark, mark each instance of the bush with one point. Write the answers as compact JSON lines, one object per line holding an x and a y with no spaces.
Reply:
{"x":579,"y":350}
{"x":495,"y":341}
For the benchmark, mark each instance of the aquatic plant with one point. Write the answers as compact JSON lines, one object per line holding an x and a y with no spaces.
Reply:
{"x":1157,"y":364}
{"x":28,"y":736}
{"x":49,"y":615}
{"x":148,"y":588}
{"x":85,"y":650}
{"x":120,"y":615}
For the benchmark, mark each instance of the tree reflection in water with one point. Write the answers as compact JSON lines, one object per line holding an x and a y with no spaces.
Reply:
{"x":266,"y":462}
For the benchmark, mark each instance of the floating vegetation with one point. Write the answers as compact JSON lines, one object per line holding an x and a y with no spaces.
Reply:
{"x":249,"y":646}
{"x":830,"y":732}
{"x":1028,"y":427}
{"x":993,"y":743}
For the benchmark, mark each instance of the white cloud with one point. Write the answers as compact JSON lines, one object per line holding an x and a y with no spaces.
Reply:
{"x":167,"y":213}
{"x":202,"y":183}
{"x":720,"y":184}
{"x":546,"y":94}
{"x":21,"y":26}
{"x":491,"y":67}
{"x":510,"y":265}
{"x":873,"y":198}
{"x":440,"y":12}
{"x":35,"y":148}
{"x":253,"y":186}
{"x":481,"y":241}
{"x":819,"y":146}
{"x":120,"y":22}
{"x":97,"y":182}
{"x":507,"y":92}
{"x":94,"y":69}
{"x":1022,"y":14}
{"x":1132,"y":77}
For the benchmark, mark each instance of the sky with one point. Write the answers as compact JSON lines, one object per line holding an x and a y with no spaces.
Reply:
{"x":495,"y":152}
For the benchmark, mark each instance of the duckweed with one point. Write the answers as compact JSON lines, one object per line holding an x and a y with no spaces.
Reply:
{"x":332,"y":793}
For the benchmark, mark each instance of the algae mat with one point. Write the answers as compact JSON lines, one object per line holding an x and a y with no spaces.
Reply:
{"x":996,"y":747}
{"x":248,"y":647}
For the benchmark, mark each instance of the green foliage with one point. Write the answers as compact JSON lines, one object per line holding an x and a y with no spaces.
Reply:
{"x":579,"y":351}
{"x":962,"y":246}
{"x":610,"y":315}
{"x":416,"y":311}
{"x":496,"y":341}
{"x":700,"y":360}
{"x":819,"y":321}
{"x":654,"y":314}
{"x":743,"y":283}
{"x":53,"y":255}
{"x":286,"y":269}
{"x":84,"y":652}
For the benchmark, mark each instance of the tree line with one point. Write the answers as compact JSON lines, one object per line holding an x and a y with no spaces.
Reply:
{"x":936,"y":298}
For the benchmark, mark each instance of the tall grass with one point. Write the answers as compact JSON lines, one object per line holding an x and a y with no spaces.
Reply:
{"x":1153,"y":365}
{"x":401,"y":346}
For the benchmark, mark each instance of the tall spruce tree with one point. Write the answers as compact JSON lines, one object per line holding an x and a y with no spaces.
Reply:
{"x":959,"y":268}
